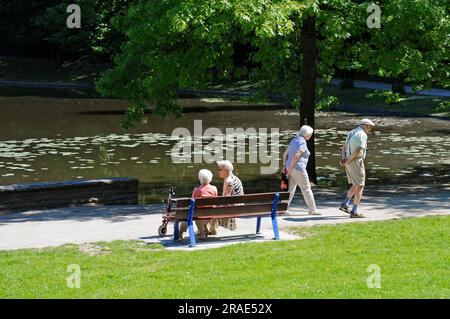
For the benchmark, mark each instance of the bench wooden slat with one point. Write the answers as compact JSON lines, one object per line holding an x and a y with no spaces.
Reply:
{"x":235,"y":210}
{"x":222,"y":200}
{"x":262,"y":214}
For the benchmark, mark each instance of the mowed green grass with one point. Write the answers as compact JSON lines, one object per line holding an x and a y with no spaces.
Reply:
{"x":330,"y":262}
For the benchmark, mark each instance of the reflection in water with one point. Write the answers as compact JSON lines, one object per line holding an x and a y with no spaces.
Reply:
{"x":56,"y":141}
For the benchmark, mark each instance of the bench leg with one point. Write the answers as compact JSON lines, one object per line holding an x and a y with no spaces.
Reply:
{"x":176,"y":229}
{"x":258,"y":225}
{"x":275,"y":227}
{"x":274,"y":216}
{"x":190,"y":222}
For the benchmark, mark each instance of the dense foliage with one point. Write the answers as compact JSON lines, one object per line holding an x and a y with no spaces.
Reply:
{"x":228,"y":40}
{"x":174,"y":44}
{"x":18,"y":32}
{"x":96,"y":37}
{"x":40,"y":27}
{"x":414,"y":45}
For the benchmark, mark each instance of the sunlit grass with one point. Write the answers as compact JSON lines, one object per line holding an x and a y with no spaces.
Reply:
{"x":330,"y":262}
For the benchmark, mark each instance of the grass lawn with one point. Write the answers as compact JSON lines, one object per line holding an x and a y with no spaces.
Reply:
{"x":330,"y":262}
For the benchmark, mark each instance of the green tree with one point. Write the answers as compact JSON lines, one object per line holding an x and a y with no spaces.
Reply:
{"x":173,"y":44}
{"x":176,"y":44}
{"x":96,"y":38}
{"x":18,"y":32}
{"x":412,"y":45}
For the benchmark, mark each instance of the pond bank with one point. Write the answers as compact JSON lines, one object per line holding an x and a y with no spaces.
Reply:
{"x":51,"y":139}
{"x":234,"y":98}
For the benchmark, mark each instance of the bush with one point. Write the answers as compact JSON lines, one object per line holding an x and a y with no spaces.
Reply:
{"x":389,"y":96}
{"x":444,"y":106}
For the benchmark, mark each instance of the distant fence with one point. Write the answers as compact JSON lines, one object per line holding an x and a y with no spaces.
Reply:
{"x":108,"y":191}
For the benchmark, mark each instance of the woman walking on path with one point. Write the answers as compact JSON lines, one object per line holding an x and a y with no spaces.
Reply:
{"x":295,"y":159}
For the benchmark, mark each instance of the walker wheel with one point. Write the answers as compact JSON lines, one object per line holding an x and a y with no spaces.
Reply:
{"x":162,"y":230}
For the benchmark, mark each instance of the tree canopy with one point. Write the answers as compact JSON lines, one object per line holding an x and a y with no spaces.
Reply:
{"x":96,"y":37}
{"x":175,"y":44}
{"x":414,"y":45}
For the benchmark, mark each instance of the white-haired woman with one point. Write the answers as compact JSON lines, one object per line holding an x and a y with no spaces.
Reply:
{"x":204,"y":190}
{"x":232,"y":186}
{"x":295,"y":159}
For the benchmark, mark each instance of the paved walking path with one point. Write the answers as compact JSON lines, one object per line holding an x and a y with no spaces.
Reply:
{"x":78,"y":225}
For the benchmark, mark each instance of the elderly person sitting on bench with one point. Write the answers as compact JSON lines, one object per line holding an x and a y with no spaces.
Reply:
{"x":204,"y":190}
{"x":232,"y":186}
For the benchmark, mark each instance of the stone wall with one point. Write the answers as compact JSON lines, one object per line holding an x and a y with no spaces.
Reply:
{"x":108,"y":191}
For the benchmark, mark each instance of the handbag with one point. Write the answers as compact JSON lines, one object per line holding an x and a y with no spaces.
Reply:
{"x":284,"y":179}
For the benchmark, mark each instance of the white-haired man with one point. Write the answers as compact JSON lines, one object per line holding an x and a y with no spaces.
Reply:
{"x":353,"y":154}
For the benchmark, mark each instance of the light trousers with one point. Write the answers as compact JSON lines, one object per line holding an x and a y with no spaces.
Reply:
{"x":201,"y":226}
{"x":301,"y":179}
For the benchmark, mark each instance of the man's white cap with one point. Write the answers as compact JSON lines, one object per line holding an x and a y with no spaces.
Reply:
{"x":366,"y":122}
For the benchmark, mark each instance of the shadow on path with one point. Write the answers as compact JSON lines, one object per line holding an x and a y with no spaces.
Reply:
{"x":114,"y":214}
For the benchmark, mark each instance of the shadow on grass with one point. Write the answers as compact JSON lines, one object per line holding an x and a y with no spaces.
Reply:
{"x":168,"y":241}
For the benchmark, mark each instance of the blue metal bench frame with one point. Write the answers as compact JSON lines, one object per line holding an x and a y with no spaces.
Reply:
{"x":190,"y":221}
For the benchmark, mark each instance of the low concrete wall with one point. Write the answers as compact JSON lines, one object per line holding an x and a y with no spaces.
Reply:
{"x":108,"y":191}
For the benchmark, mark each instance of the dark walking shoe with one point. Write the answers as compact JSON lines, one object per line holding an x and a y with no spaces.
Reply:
{"x":345,"y":208}
{"x":356,"y":215}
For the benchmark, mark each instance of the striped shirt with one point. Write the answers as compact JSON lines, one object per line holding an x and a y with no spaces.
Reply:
{"x":235,"y":185}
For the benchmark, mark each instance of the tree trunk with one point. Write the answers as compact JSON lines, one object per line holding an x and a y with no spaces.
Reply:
{"x":397,"y":86}
{"x":56,"y":55}
{"x":348,"y":80}
{"x":308,"y":87}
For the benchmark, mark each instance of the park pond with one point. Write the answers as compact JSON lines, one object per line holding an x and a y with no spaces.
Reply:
{"x":49,"y":139}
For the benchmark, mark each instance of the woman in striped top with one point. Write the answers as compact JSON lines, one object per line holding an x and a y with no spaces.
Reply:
{"x":232,"y":186}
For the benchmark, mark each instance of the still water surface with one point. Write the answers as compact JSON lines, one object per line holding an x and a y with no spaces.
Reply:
{"x":47,"y":139}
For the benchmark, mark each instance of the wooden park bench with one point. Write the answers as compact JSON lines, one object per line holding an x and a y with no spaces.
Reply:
{"x":242,"y":206}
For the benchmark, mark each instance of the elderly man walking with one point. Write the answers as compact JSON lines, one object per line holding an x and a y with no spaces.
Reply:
{"x":353,"y":154}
